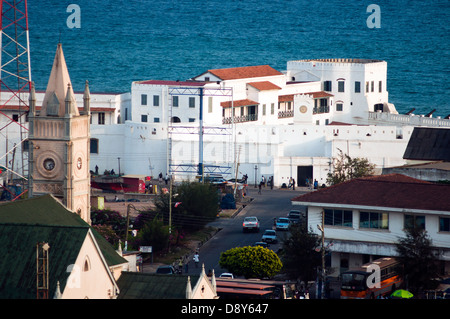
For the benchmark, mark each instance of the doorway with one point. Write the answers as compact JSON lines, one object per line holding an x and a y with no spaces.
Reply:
{"x":303,"y":173}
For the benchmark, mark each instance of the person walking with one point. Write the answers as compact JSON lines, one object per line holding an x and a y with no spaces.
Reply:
{"x":259,"y":188}
{"x":180,"y":265}
{"x":196,"y":259}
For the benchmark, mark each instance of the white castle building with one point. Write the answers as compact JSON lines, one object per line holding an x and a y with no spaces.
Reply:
{"x":255,"y":118}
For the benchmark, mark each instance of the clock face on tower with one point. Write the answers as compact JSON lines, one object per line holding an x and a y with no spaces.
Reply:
{"x":49,"y":164}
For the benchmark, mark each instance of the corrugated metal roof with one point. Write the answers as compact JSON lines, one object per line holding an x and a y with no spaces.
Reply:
{"x":18,"y":262}
{"x":134,"y":285}
{"x":387,"y":191}
{"x":23,"y":224}
{"x":431,"y":144}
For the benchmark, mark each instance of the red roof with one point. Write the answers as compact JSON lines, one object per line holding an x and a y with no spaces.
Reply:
{"x":286,"y":98}
{"x":264,"y":86}
{"x":393,"y":190}
{"x":319,"y":94}
{"x":238,"y":103}
{"x":38,"y":108}
{"x":315,"y":95}
{"x":172,"y":83}
{"x":245,"y":72}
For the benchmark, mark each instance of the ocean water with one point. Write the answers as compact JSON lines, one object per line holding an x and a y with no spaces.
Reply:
{"x":123,"y":41}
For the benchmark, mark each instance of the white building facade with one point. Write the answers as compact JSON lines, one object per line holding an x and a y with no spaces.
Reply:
{"x":282,"y":124}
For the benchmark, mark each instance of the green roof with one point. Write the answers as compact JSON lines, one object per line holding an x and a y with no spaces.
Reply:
{"x":42,"y":210}
{"x":134,"y":285}
{"x":18,"y":262}
{"x":23,"y":224}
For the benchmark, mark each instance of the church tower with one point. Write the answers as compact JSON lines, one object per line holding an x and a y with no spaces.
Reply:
{"x":59,"y":137}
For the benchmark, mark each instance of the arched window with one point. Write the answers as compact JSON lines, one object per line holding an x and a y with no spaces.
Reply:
{"x":87,"y":264}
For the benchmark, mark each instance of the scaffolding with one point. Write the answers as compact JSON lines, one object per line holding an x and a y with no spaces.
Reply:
{"x":15,"y":84}
{"x":200,"y":168}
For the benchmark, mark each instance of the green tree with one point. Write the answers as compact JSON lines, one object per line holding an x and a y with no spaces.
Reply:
{"x":346,"y":168}
{"x":154,"y":234}
{"x":251,"y":262}
{"x":112,"y":218}
{"x":301,"y":254}
{"x":108,"y":233}
{"x":419,"y":262}
{"x":193,"y":205}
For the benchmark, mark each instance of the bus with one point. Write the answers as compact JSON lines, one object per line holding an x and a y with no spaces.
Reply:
{"x":356,"y":284}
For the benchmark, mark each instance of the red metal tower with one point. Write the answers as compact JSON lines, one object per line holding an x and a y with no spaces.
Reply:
{"x":15,"y":84}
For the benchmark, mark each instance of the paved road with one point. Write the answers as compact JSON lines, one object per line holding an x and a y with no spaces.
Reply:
{"x":267,"y":206}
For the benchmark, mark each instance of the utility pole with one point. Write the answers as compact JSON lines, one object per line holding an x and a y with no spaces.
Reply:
{"x":129,"y":206}
{"x":322,"y":275}
{"x":170,"y":205}
{"x":200,"y":136}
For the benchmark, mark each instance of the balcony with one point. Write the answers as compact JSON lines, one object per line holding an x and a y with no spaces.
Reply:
{"x":240,"y":119}
{"x":285,"y":114}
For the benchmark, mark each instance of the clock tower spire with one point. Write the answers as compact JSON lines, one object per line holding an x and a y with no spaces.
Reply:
{"x":59,"y":139}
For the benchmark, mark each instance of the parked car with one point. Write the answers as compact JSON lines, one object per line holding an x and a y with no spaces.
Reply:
{"x":262,"y":244}
{"x":226,"y":275}
{"x":269,"y":236}
{"x":167,"y":270}
{"x":250,"y":223}
{"x":282,"y":223}
{"x":294,"y":216}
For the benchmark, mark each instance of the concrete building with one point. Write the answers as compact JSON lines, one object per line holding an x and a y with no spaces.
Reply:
{"x":285,"y":124}
{"x":363,"y":218}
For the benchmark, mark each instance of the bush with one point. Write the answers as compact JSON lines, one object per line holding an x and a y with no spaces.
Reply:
{"x":111,"y":218}
{"x":153,"y":234}
{"x":251,"y":262}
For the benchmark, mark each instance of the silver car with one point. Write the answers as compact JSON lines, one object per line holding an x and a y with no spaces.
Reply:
{"x":269,"y":236}
{"x":250,"y":223}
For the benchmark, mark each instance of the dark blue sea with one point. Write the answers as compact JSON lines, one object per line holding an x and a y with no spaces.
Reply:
{"x":123,"y":41}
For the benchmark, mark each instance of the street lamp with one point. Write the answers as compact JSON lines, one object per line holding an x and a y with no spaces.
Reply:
{"x":256,"y":172}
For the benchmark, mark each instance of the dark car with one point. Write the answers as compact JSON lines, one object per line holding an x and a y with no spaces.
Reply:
{"x":294,"y":216}
{"x":262,"y":244}
{"x":167,"y":270}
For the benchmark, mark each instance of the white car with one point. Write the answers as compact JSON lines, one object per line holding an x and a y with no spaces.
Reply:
{"x":250,"y":223}
{"x":226,"y":275}
{"x":269,"y":236}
